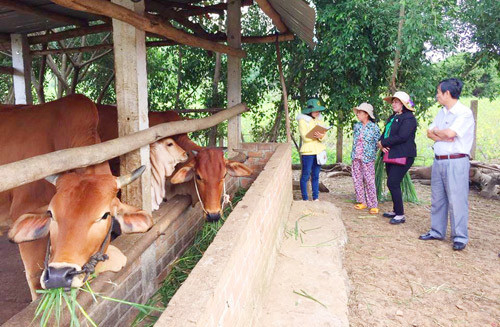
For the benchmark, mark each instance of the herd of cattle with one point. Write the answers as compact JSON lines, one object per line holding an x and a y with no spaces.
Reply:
{"x":63,"y":222}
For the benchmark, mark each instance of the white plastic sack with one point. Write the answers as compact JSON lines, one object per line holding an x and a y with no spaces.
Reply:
{"x":321,"y":157}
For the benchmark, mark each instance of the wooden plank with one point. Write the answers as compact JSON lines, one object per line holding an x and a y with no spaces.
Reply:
{"x":89,"y":48}
{"x":29,"y":170}
{"x":474,"y":107}
{"x":6,"y":70}
{"x":149,"y":24}
{"x":132,"y":100}
{"x":233,"y":30}
{"x":21,"y":63}
{"x":271,"y":13}
{"x":70,"y":33}
{"x":267,"y":38}
{"x":32,"y":10}
{"x":96,"y":47}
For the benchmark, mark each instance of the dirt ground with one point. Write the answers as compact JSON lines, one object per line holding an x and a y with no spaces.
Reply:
{"x":398,"y":280}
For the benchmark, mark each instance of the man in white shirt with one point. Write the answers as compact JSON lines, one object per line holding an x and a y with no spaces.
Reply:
{"x":453,"y":133}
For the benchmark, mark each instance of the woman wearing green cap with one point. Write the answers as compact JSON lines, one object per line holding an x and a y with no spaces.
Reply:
{"x":311,"y":146}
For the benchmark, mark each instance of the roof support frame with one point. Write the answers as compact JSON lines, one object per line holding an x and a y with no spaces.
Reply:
{"x":18,"y":6}
{"x":147,"y":23}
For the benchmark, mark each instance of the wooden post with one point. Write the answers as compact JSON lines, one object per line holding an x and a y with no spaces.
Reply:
{"x":21,"y":63}
{"x":473,"y":107}
{"x":132,"y":101}
{"x":233,"y":27}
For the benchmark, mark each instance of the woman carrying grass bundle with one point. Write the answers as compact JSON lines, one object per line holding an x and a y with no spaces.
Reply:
{"x":364,"y":149}
{"x":311,"y":148}
{"x":397,"y":143}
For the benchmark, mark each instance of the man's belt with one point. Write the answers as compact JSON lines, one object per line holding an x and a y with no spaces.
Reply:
{"x":451,"y":156}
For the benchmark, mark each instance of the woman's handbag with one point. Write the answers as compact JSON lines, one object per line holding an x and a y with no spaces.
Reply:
{"x":395,"y":161}
{"x":321,"y":158}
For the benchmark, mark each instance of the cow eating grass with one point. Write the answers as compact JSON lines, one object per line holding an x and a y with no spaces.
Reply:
{"x":77,"y":212}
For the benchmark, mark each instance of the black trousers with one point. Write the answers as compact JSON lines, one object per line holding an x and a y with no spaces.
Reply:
{"x":395,"y":174}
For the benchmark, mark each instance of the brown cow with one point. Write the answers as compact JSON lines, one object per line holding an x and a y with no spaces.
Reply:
{"x":75,"y":213}
{"x":207,"y":167}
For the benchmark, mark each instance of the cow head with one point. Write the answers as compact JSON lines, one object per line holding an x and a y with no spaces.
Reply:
{"x":78,"y":220}
{"x":164,"y":155}
{"x":208,"y":168}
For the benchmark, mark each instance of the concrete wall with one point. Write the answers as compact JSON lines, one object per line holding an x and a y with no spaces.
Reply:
{"x":226,"y":286}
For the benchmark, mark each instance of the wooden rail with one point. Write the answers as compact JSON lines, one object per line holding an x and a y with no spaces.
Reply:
{"x":29,"y":170}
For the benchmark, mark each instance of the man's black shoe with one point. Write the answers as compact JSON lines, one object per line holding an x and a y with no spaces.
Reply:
{"x":458,"y":246}
{"x":389,"y":214}
{"x":427,"y":237}
{"x":395,"y":221}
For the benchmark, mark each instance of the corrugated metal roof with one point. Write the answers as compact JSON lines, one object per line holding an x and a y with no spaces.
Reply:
{"x":12,"y":21}
{"x":295,"y":14}
{"x":298,"y":17}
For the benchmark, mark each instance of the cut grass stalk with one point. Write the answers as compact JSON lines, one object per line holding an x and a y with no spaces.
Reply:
{"x":304,"y":294}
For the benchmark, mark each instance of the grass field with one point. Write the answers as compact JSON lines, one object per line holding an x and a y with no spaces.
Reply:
{"x":488,"y":136}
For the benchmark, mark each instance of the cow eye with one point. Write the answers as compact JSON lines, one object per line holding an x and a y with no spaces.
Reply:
{"x":170,"y":144}
{"x":106,"y":215}
{"x":49,"y":213}
{"x":198,"y":177}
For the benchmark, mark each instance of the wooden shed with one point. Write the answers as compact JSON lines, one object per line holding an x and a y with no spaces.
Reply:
{"x":31,"y":28}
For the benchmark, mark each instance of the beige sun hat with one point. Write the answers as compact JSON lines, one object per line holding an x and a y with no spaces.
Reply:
{"x":404,"y":98}
{"x":366,"y":107}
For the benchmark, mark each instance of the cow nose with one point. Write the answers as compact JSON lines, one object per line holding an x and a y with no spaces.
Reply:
{"x":59,"y":277}
{"x":213,"y":217}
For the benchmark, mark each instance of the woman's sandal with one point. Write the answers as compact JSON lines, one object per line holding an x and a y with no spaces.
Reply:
{"x":374,"y":211}
{"x":360,"y":206}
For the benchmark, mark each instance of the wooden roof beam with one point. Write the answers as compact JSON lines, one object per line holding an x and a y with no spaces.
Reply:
{"x":18,"y":6}
{"x":168,"y":13}
{"x":75,"y":32}
{"x":275,"y":17}
{"x":6,"y":70}
{"x":148,"y":24}
{"x":213,"y":9}
{"x":162,"y":43}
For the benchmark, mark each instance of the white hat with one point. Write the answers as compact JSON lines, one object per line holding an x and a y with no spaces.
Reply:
{"x":404,"y":98}
{"x":366,"y":107}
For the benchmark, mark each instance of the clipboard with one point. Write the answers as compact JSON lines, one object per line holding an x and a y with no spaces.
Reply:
{"x":317,"y":128}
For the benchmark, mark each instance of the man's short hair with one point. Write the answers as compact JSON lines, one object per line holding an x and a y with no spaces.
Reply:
{"x":454,"y":85}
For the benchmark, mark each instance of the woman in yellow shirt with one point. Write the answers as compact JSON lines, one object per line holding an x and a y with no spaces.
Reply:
{"x":311,"y":147}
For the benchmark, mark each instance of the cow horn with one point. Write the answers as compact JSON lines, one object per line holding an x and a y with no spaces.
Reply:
{"x":52,"y":179}
{"x":129,"y":178}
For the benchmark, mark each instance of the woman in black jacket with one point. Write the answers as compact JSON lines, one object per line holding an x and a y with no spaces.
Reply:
{"x":398,"y":141}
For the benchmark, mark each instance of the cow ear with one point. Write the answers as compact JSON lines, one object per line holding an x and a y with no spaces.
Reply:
{"x":30,"y":226}
{"x":184,"y":174}
{"x":131,"y":219}
{"x":237,"y":169}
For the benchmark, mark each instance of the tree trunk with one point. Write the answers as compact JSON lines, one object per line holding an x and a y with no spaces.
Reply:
{"x":485,"y":176}
{"x":179,"y":79}
{"x":105,"y":88}
{"x":274,"y":133}
{"x":285,"y":93}
{"x":340,"y":142}
{"x":392,"y":85}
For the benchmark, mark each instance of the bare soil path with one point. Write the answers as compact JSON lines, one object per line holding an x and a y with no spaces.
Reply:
{"x":398,"y":280}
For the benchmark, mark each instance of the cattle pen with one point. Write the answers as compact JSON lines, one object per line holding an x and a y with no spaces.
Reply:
{"x":30,"y":29}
